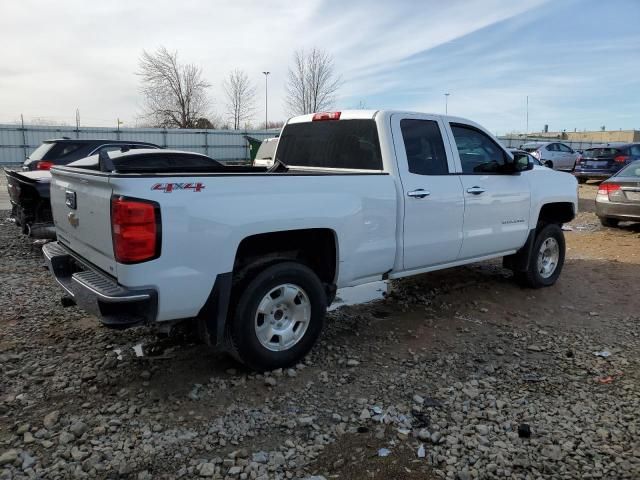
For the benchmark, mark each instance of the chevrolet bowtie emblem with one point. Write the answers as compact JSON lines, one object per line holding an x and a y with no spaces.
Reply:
{"x":73,"y":219}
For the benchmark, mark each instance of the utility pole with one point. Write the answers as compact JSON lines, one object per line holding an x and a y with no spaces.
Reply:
{"x":446,"y":103}
{"x":527,"y":130}
{"x":266,"y":100}
{"x":77,"y":123}
{"x":24,"y":136}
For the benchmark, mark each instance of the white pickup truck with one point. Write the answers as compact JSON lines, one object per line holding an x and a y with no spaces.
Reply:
{"x":255,"y":256}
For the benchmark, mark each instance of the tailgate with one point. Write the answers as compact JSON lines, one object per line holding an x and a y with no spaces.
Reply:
{"x":81,"y":205}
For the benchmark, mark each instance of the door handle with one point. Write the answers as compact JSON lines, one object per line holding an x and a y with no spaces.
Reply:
{"x":475,"y":190}
{"x":418,"y":193}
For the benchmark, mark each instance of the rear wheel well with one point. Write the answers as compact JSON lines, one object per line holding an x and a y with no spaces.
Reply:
{"x":559,"y":212}
{"x":314,"y":247}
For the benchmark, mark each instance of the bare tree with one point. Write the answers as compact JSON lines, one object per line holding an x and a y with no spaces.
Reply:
{"x":241,"y":98}
{"x":312,"y":83}
{"x":175,"y":94}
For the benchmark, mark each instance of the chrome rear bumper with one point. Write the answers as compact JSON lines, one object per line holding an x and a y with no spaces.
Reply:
{"x":97,"y":293}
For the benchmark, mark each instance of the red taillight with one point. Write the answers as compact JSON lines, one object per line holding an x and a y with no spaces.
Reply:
{"x":135,"y":229}
{"x":317,"y":117}
{"x":42,"y":165}
{"x":621,"y":158}
{"x":607,"y":188}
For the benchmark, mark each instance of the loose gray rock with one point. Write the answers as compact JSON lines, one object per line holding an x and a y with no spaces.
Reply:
{"x":207,"y":469}
{"x":9,"y":456}
{"x":51,"y":419}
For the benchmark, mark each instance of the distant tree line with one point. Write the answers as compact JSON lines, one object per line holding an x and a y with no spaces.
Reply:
{"x":176,"y":94}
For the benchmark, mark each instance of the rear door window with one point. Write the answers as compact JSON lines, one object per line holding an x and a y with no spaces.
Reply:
{"x":424,"y":147}
{"x":564,"y":148}
{"x":351,"y":144}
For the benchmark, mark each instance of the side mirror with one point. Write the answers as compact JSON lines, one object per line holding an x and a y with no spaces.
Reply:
{"x":522,"y":163}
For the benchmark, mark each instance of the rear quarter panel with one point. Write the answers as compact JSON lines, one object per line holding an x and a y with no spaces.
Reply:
{"x":201,"y":230}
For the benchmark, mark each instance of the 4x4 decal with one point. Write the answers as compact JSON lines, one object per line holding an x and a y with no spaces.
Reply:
{"x":170,"y":187}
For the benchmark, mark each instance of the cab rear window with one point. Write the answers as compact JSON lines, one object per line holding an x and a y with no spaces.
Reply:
{"x":349,"y":144}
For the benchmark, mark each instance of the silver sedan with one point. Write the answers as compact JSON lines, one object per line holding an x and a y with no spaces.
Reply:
{"x":618,"y":197}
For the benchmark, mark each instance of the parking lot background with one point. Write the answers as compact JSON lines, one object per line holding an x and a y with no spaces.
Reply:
{"x":16,"y":142}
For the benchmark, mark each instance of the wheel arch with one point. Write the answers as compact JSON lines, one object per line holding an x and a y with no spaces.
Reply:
{"x":317,"y":248}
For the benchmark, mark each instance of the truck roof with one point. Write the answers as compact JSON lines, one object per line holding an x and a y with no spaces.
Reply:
{"x":372,"y":114}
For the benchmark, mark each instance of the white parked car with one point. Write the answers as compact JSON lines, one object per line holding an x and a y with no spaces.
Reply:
{"x":255,"y":257}
{"x":555,"y":155}
{"x":266,"y":152}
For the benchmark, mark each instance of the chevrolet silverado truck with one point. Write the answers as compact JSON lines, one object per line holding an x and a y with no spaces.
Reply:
{"x":254,"y":255}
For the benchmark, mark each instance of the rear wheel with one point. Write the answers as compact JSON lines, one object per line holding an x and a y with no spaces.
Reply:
{"x":547,"y":258}
{"x":609,"y":222}
{"x":582,"y":180}
{"x":278,"y":318}
{"x":548,"y":163}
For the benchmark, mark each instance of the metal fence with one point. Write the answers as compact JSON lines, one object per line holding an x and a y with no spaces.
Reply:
{"x":16,"y":142}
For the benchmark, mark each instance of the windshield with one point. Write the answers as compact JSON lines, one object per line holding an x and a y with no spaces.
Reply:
{"x":631,"y":170}
{"x":41,"y":151}
{"x":331,"y":144}
{"x":600,"y":152}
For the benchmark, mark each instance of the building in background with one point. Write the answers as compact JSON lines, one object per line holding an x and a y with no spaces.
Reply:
{"x":597,"y":136}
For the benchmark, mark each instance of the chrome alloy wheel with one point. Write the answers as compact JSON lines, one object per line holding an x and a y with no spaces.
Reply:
{"x":282,"y":317}
{"x":548,"y":257}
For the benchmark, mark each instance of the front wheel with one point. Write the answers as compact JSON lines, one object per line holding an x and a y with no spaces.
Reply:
{"x":278,"y":318}
{"x":547,"y":258}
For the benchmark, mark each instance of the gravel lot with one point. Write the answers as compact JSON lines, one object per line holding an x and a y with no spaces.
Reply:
{"x":458,"y":374}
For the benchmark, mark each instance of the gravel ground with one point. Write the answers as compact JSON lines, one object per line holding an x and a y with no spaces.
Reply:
{"x":458,"y":374}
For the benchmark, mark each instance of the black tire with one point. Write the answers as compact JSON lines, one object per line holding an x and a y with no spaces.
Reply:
{"x":532,"y":276}
{"x":241,"y":331}
{"x":582,"y":180}
{"x":609,"y":222}
{"x":548,"y":163}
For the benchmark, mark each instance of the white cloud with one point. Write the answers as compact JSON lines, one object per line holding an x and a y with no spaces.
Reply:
{"x":71,"y":53}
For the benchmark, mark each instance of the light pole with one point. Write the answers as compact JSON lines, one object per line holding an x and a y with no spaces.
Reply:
{"x":266,"y":100}
{"x":527,"y":130}
{"x":446,"y":103}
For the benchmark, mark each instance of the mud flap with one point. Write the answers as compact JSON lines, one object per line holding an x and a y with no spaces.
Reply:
{"x":519,"y":261}
{"x":212,"y":318}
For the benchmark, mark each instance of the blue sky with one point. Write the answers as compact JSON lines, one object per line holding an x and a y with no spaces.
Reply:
{"x":577,"y":60}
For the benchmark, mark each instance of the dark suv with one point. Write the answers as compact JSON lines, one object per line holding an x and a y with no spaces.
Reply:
{"x":599,"y":163}
{"x":62,"y":151}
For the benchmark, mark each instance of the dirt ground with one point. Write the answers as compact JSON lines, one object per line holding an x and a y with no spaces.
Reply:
{"x":456,"y":361}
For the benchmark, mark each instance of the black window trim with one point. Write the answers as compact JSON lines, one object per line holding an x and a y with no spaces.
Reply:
{"x":471,"y":127}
